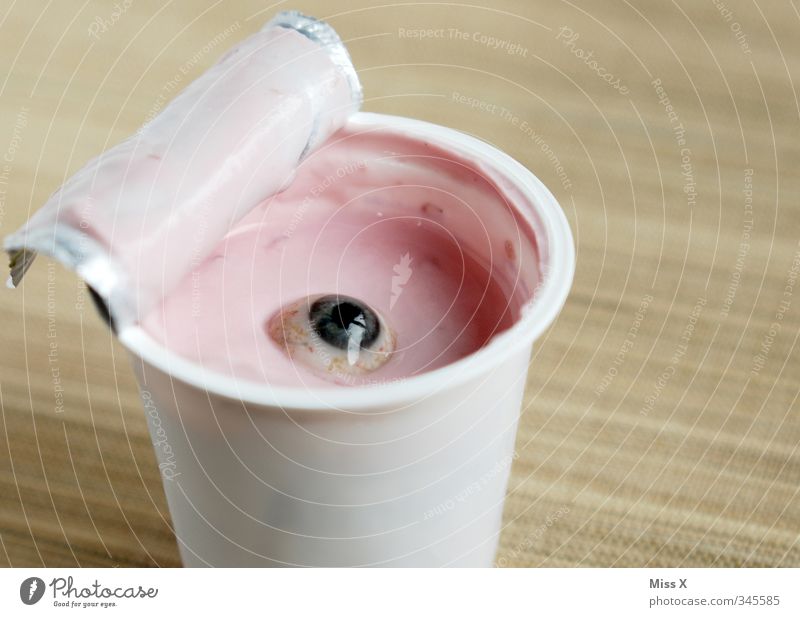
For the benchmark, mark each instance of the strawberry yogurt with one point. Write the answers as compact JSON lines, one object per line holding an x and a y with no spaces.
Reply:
{"x":420,"y":234}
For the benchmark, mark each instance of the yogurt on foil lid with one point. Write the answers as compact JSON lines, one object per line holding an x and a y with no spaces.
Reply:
{"x":138,"y":217}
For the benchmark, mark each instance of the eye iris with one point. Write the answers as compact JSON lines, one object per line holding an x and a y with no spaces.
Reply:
{"x":338,"y":319}
{"x":337,"y":337}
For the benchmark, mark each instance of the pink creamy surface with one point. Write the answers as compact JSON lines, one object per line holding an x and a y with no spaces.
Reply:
{"x":358,"y":210}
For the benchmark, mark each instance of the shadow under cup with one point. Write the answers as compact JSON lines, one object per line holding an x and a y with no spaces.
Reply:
{"x":411,"y":471}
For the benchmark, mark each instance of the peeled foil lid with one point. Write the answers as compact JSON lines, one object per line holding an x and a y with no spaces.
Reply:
{"x":136,"y":219}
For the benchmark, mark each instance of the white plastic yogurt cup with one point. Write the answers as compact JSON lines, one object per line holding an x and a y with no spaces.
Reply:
{"x":411,"y":473}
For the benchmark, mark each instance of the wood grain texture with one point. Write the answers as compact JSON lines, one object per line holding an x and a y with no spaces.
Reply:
{"x":652,"y":434}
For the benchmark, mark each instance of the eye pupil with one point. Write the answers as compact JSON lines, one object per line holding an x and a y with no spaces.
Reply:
{"x":337,"y":319}
{"x":346,"y":313}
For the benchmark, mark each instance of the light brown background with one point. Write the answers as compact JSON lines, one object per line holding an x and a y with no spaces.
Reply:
{"x":709,"y":476}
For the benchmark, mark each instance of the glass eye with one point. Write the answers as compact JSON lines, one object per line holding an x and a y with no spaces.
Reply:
{"x":336,"y":336}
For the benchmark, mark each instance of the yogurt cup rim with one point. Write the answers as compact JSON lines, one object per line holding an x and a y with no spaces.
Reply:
{"x":538,"y":314}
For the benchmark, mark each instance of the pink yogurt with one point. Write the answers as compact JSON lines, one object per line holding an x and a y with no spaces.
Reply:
{"x":428,"y":239}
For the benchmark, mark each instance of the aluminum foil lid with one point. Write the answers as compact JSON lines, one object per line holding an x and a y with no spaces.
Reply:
{"x":136,"y":219}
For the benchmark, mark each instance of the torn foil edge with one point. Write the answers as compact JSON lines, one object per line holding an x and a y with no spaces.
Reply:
{"x":323,"y":33}
{"x":80,"y":253}
{"x":326,"y":37}
{"x":88,"y":259}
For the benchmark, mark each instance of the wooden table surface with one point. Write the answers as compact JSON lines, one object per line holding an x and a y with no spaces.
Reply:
{"x":660,"y":425}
